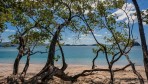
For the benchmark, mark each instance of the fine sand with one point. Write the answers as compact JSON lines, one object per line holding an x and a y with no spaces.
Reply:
{"x":100,"y":77}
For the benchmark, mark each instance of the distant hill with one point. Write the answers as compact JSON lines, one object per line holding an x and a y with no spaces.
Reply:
{"x":7,"y":44}
{"x":76,"y":45}
{"x":136,"y":44}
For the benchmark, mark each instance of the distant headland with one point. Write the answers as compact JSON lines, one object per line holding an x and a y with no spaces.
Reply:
{"x":9,"y":44}
{"x":134,"y":44}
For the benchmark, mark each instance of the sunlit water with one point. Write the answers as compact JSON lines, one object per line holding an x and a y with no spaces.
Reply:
{"x":82,"y":55}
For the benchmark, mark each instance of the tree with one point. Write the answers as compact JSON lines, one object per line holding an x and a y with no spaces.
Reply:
{"x":33,"y":26}
{"x":121,"y":40}
{"x":26,"y":34}
{"x":37,"y":21}
{"x":5,"y":15}
{"x":142,"y":37}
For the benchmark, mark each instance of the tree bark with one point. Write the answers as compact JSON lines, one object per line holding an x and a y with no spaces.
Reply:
{"x":16,"y":64}
{"x":51,"y":53}
{"x":19,"y":56}
{"x":134,"y":70}
{"x":23,"y":74}
{"x":93,"y":62}
{"x":50,"y":60}
{"x":63,"y":58}
{"x":142,"y":36}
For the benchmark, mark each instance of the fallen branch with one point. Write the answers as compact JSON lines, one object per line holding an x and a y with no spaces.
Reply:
{"x":98,"y":69}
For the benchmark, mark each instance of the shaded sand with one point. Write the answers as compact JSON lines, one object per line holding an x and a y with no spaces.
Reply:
{"x":100,"y":77}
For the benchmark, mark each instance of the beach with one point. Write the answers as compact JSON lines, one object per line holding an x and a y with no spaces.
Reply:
{"x":98,"y":77}
{"x":78,"y":58}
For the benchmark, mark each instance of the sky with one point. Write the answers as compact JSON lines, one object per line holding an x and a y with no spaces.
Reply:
{"x":72,"y":38}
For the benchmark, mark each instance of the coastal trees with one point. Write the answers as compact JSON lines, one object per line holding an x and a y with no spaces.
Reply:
{"x":142,"y":37}
{"x":22,"y":24}
{"x":65,"y":17}
{"x":26,"y":35}
{"x":120,"y":39}
{"x":30,"y":21}
{"x":37,"y":21}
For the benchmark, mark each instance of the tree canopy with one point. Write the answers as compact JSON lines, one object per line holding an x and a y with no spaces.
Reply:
{"x":44,"y":20}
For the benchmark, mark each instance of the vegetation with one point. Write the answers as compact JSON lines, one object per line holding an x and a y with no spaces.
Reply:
{"x":39,"y":21}
{"x":121,"y":41}
{"x":142,"y":36}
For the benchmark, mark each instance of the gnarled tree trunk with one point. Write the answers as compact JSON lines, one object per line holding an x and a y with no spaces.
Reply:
{"x":48,"y":69}
{"x":142,"y":36}
{"x":23,"y":74}
{"x":19,"y":56}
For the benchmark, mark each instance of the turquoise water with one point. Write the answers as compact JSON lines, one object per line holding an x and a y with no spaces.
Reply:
{"x":74,"y":55}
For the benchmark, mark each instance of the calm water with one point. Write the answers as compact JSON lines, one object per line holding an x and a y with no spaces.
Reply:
{"x":74,"y":55}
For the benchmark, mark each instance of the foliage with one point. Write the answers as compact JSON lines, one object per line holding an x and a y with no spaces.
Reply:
{"x":38,"y":21}
{"x":145,"y":16}
{"x":5,"y":15}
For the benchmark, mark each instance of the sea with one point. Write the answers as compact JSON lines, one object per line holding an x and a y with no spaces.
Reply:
{"x":77,"y":55}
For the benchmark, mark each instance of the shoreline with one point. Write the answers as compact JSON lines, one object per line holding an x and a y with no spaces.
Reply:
{"x":84,"y":64}
{"x":126,"y":76}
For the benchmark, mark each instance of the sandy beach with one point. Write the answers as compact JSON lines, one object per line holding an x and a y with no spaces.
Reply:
{"x":99,"y":77}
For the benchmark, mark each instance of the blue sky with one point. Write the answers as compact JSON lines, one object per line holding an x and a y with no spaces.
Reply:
{"x":72,"y":38}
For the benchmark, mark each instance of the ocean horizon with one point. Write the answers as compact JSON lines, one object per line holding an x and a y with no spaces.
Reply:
{"x":77,"y":55}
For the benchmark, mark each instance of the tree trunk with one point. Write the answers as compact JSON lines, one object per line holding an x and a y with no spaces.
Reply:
{"x":51,"y":53}
{"x":23,"y":74}
{"x":142,"y":36}
{"x":19,"y":56}
{"x":134,"y":70}
{"x":52,"y":48}
{"x":63,"y":58}
{"x":93,"y":61}
{"x":16,"y":64}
